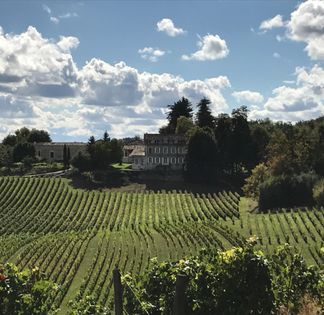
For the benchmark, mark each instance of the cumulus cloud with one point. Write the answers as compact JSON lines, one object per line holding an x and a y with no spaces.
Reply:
{"x":167,"y":26}
{"x":211,"y":47}
{"x":303,"y":101}
{"x":151,"y":54}
{"x":248,"y":96}
{"x":31,"y":64}
{"x":275,"y":22}
{"x":307,"y":25}
{"x":276,"y":55}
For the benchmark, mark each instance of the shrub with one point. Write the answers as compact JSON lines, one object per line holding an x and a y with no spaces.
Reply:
{"x":318,"y":193}
{"x":24,"y":292}
{"x":287,"y":191}
{"x":252,"y":184}
{"x":233,"y":282}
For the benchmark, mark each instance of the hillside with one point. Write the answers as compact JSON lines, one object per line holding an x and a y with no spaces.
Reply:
{"x":77,"y":237}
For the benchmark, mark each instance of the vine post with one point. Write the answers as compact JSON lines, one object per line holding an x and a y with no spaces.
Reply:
{"x":118,"y":292}
{"x":180,"y":297}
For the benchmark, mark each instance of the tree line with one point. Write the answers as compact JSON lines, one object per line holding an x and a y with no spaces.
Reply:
{"x":282,"y":159}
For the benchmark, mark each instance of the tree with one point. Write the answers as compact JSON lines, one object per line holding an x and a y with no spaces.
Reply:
{"x":202,"y":158}
{"x":182,"y":107}
{"x":184,"y":124}
{"x":22,"y":134}
{"x":22,"y":150}
{"x":82,"y":162}
{"x":65,"y":157}
{"x":10,"y":140}
{"x":68,"y":156}
{"x":36,"y":135}
{"x":241,"y":146}
{"x":106,"y":136}
{"x":204,"y":118}
{"x":4,"y":155}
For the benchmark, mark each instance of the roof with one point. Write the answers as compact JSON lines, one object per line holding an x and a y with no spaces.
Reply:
{"x":138,"y":151}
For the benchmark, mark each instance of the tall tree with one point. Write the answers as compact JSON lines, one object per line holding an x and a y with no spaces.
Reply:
{"x":202,"y":157}
{"x":204,"y":117}
{"x":184,"y":124}
{"x":65,"y":156}
{"x":106,"y":136}
{"x":180,"y":108}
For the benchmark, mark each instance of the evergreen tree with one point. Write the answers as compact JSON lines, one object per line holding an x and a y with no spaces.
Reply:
{"x":182,"y":107}
{"x":65,"y":157}
{"x":106,"y":137}
{"x":204,"y":117}
{"x":68,"y":156}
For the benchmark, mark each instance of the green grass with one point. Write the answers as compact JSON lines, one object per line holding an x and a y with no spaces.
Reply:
{"x":122,"y":166}
{"x":77,"y":237}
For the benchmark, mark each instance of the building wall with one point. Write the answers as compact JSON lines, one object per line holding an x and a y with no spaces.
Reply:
{"x":54,"y":151}
{"x":165,"y":150}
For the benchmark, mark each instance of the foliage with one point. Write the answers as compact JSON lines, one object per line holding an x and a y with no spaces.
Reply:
{"x":180,"y":108}
{"x":202,"y":155}
{"x":82,"y":162}
{"x":286,"y":191}
{"x":4,"y":155}
{"x":184,"y":124}
{"x":252,"y":184}
{"x":238,"y":281}
{"x":26,"y":135}
{"x":24,"y":292}
{"x":204,"y":117}
{"x":292,"y":279}
{"x":22,"y":150}
{"x":318,"y":193}
{"x":88,"y":306}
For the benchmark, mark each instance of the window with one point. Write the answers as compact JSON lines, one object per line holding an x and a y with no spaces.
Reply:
{"x":179,"y":150}
{"x":165,"y":150}
{"x":165,"y":160}
{"x":135,"y":161}
{"x":150,"y":150}
{"x":157,"y":150}
{"x":52,"y":154}
{"x":157,"y":160}
{"x":150,"y":160}
{"x":184,"y":150}
{"x":173,"y":160}
{"x":173,"y":150}
{"x":39,"y":153}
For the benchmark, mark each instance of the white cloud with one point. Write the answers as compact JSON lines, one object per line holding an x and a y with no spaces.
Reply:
{"x":167,"y":26}
{"x":248,"y":96}
{"x":276,"y":55}
{"x":151,"y":54}
{"x":54,"y":19}
{"x":303,"y":101}
{"x":33,"y":65}
{"x":275,"y":22}
{"x":211,"y":47}
{"x":57,"y":19}
{"x":307,"y":25}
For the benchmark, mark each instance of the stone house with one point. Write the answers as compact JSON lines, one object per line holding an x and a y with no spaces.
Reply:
{"x":53,"y":151}
{"x":158,"y":150}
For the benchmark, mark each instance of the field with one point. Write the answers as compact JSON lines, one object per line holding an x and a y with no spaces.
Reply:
{"x":77,"y":237}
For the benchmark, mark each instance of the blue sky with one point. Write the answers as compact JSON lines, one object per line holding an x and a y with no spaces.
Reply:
{"x":96,"y":65}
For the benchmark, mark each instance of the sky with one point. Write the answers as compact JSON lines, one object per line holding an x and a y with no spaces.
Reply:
{"x":78,"y":68}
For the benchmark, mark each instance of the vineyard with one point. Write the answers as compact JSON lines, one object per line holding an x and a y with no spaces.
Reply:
{"x":77,"y":237}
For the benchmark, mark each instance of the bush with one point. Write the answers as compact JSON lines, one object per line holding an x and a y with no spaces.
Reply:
{"x":238,"y":281}
{"x":233,"y":282}
{"x":287,"y":191}
{"x":24,"y":292}
{"x":318,"y":193}
{"x":82,"y":162}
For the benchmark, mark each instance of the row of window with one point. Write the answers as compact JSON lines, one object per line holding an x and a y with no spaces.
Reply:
{"x":51,"y":154}
{"x":165,"y":160}
{"x":165,"y":141}
{"x":166,"y":150}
